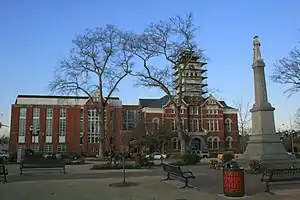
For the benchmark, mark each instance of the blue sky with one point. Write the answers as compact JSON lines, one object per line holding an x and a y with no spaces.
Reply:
{"x":36,"y":35}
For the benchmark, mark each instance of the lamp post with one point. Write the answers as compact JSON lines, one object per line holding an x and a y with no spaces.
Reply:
{"x":37,"y":133}
{"x":30,"y":130}
{"x":34,"y":134}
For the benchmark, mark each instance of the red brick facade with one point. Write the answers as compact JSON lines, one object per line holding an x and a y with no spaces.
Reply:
{"x":118,"y":124}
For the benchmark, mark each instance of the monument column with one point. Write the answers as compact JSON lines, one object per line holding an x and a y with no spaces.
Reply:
{"x":264,"y":144}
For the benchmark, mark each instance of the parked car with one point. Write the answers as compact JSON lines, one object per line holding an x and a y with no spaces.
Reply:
{"x":202,"y":153}
{"x":73,"y":158}
{"x":157,"y":156}
{"x":4,"y":155}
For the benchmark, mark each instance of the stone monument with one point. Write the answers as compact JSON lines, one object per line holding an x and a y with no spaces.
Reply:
{"x":264,"y":144}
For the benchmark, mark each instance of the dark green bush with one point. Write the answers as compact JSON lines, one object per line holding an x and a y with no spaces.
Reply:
{"x":178,"y":163}
{"x":108,"y":166}
{"x":190,"y":159}
{"x":227,"y":156}
{"x":254,"y":167}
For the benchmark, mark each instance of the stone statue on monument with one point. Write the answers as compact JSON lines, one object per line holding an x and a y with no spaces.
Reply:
{"x":256,"y":49}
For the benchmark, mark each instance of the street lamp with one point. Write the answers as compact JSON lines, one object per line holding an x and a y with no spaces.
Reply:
{"x":34,"y":134}
{"x":37,"y":133}
{"x":30,"y":130}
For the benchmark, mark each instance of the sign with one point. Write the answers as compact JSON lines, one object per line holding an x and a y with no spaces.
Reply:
{"x":232,"y":181}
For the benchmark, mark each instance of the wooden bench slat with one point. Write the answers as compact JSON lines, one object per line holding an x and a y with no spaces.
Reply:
{"x":42,"y":164}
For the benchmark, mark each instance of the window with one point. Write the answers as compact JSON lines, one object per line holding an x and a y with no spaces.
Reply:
{"x":94,"y":126}
{"x":191,"y":110}
{"x":229,"y":142}
{"x":196,"y":110}
{"x":48,"y":148}
{"x":213,"y":125}
{"x":62,"y":122}
{"x":182,"y":124}
{"x":36,"y":120}
{"x":155,"y":122}
{"x":81,"y":120}
{"x":213,"y":142}
{"x":209,"y":143}
{"x":49,"y":121}
{"x":61,"y":148}
{"x":173,"y":125}
{"x":175,"y":143}
{"x":194,"y":125}
{"x":172,"y":110}
{"x":216,"y":125}
{"x":22,"y":122}
{"x":228,"y":123}
{"x":216,"y":142}
{"x":130,"y":119}
{"x":35,"y":148}
{"x":212,"y":110}
{"x":181,"y":111}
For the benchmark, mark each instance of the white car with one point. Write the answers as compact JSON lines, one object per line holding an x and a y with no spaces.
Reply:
{"x":202,"y":154}
{"x":157,"y":156}
{"x":4,"y":155}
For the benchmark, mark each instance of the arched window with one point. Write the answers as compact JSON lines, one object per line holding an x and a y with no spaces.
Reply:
{"x":229,"y":142}
{"x":216,"y":142}
{"x":175,"y":143}
{"x":209,"y":143}
{"x":228,"y":123}
{"x":155,"y":122}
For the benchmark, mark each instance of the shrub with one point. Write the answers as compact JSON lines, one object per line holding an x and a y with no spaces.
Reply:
{"x":227,"y":156}
{"x":176,"y":155}
{"x":254,"y":167}
{"x":108,"y":166}
{"x":178,"y":163}
{"x":190,"y":159}
{"x":213,"y":164}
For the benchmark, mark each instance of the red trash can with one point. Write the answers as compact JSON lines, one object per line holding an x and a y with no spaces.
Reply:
{"x":233,"y":182}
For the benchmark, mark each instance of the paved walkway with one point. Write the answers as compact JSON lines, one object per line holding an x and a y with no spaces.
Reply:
{"x":149,"y":188}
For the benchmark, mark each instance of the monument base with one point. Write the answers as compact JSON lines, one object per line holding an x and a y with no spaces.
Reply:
{"x":270,"y":153}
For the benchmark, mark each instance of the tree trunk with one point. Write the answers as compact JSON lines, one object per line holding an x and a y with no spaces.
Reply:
{"x":180,"y":131}
{"x":101,"y":132}
{"x":124,"y":175}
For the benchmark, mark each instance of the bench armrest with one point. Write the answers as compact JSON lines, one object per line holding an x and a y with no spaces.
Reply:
{"x":266,"y":176}
{"x":188,"y":173}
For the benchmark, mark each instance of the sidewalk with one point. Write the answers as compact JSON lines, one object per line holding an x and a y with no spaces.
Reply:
{"x":149,"y":188}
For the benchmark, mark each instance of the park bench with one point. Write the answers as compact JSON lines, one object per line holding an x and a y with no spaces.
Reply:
{"x":177,"y":172}
{"x":280,"y":176}
{"x":3,"y":172}
{"x":42,"y":164}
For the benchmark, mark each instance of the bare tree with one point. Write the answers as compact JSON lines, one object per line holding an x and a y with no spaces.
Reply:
{"x":244,"y":120}
{"x":98,"y":62}
{"x":297,"y":118}
{"x":287,"y":72}
{"x":167,"y":40}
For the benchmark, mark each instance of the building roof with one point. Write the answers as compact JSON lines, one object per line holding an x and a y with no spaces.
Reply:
{"x":154,"y":103}
{"x":158,"y":103}
{"x":58,"y":97}
{"x":225,"y":105}
{"x":59,"y":100}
